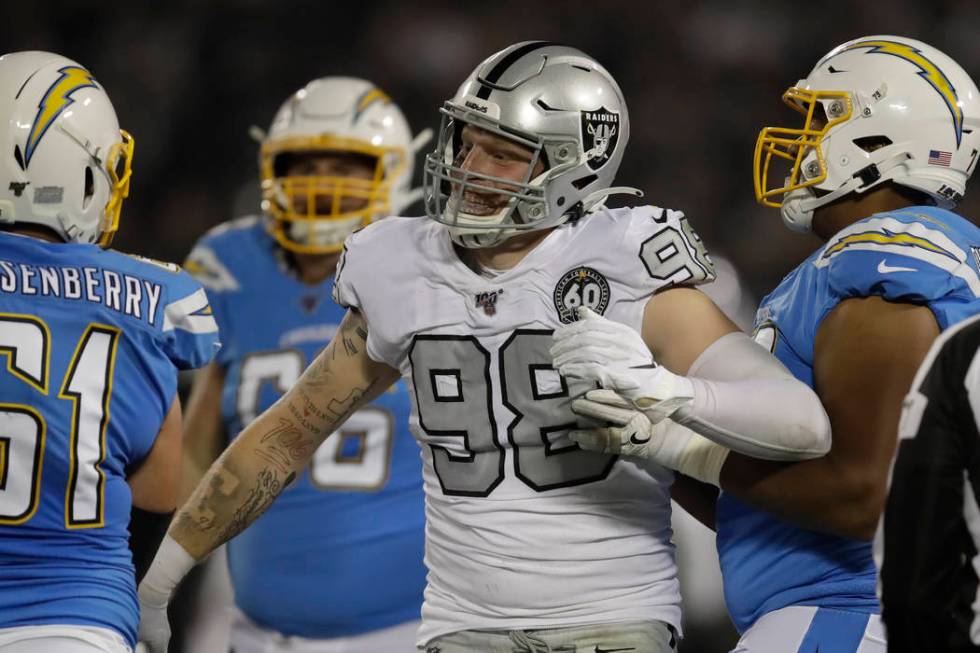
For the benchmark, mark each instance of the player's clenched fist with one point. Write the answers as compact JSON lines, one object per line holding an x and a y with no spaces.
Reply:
{"x":615,"y":356}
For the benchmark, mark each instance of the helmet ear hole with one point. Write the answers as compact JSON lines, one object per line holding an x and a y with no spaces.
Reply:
{"x":89,"y":187}
{"x":18,"y":157}
{"x":872,"y":143}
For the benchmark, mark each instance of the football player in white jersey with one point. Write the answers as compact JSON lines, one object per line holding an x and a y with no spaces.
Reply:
{"x":532,"y":544}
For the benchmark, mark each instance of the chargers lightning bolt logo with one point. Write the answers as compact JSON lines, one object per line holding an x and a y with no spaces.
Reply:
{"x":927,"y":70}
{"x":56,"y":99}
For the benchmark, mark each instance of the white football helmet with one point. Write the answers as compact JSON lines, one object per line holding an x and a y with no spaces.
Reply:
{"x":335,"y":114}
{"x":66,"y":164}
{"x":555,"y":100}
{"x":876,"y":109}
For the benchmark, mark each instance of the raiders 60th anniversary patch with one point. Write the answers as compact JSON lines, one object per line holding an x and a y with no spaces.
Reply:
{"x":581,"y":286}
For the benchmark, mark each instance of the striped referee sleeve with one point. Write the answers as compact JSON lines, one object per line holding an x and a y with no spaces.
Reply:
{"x":929,"y":535}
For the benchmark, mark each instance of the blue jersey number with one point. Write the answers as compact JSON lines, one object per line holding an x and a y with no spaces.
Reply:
{"x":357,"y":457}
{"x":26,"y":342}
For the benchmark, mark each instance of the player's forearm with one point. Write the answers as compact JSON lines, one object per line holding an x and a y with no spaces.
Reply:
{"x":242,"y":483}
{"x":278,"y":445}
{"x":747,"y":401}
{"x":819,"y":494}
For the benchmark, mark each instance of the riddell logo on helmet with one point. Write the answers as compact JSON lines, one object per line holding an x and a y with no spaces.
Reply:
{"x":475,"y":106}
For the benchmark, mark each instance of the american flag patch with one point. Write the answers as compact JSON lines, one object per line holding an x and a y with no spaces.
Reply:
{"x":939,"y":158}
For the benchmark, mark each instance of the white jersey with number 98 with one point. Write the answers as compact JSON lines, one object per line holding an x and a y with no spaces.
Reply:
{"x":524,"y":529}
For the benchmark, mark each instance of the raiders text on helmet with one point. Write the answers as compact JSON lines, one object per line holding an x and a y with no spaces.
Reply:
{"x":558,"y":102}
{"x":66,"y":164}
{"x":876,"y":109}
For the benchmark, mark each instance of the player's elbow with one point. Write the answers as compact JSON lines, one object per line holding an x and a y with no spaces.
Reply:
{"x":810,"y":436}
{"x":862,"y":500}
{"x":815,"y":437}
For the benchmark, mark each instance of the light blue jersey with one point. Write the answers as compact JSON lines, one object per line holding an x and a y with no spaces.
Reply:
{"x":340,"y":552}
{"x":90,"y":343}
{"x":920,"y":255}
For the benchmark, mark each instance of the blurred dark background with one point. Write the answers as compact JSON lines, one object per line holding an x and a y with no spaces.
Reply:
{"x":188,"y":78}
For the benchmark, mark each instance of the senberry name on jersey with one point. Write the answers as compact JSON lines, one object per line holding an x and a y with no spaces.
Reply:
{"x":123,"y":293}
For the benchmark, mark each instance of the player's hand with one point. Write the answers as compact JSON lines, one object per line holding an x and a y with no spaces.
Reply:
{"x":615,"y":356}
{"x":154,"y":629}
{"x":628,"y":431}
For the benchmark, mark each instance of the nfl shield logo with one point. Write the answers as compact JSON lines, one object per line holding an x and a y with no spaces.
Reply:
{"x":488,"y":301}
{"x":600,"y":131}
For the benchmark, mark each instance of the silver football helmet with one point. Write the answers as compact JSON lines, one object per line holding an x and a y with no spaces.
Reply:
{"x":556,"y":101}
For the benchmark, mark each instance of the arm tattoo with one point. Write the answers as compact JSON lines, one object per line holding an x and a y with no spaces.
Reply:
{"x":225,"y":507}
{"x":256,"y":501}
{"x":266,"y":458}
{"x":284,"y":445}
{"x":351,"y":330}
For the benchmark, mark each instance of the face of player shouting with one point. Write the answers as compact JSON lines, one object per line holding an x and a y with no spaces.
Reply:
{"x":485,"y":153}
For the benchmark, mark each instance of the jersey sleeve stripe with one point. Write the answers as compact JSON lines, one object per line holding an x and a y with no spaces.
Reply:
{"x":192,"y":314}
{"x":205,"y":265}
{"x":886,"y":238}
{"x":911,"y":239}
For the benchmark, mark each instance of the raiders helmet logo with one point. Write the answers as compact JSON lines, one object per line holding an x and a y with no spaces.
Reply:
{"x":600,"y":132}
{"x":581,"y":286}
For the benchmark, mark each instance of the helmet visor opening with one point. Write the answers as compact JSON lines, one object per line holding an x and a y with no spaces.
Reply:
{"x":319,"y":189}
{"x":787,"y":159}
{"x":484,"y":175}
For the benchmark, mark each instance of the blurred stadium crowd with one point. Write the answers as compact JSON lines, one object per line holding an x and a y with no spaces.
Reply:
{"x":700,"y":78}
{"x":188,"y":79}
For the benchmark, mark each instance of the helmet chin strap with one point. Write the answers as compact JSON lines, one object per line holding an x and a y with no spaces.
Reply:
{"x":590,"y":203}
{"x":798,"y":205}
{"x":597,"y":198}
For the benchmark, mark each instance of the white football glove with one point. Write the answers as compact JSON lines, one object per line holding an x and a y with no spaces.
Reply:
{"x":170,"y":564}
{"x":615,"y":356}
{"x":154,"y":631}
{"x":631,"y":433}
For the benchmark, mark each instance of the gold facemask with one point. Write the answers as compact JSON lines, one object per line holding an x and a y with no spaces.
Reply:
{"x":281,"y":195}
{"x":795,"y":145}
{"x":119,"y":165}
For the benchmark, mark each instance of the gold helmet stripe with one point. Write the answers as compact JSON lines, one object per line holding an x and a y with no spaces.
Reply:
{"x":367,"y":99}
{"x":56,"y":99}
{"x":928,"y":71}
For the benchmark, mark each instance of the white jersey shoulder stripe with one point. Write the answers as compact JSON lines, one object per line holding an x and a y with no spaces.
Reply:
{"x":205,"y":265}
{"x":192,"y":314}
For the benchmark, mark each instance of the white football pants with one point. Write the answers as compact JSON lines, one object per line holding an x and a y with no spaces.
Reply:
{"x":61,"y":639}
{"x":806,"y":629}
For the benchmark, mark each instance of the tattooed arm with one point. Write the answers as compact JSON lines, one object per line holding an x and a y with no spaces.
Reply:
{"x":279,"y":444}
{"x":261,"y":462}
